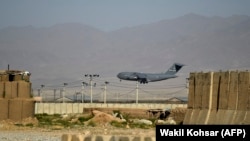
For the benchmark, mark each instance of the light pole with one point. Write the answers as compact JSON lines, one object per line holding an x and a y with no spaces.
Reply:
{"x":54,"y":95}
{"x":187,"y":82}
{"x":41,"y":91}
{"x":64,"y":85}
{"x":105,"y":92}
{"x":91,"y":76}
{"x":83,"y":83}
{"x":137,"y":92}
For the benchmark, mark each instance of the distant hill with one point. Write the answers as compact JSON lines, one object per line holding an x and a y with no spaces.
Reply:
{"x":67,"y":51}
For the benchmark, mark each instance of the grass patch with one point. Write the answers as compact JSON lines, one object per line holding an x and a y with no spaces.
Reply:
{"x":19,"y":124}
{"x":118,"y":124}
{"x":29,"y":125}
{"x":64,"y":123}
{"x":92,"y":123}
{"x":131,"y":125}
{"x":50,"y":120}
{"x":46,"y":120}
{"x":142,"y":126}
{"x":83,"y":118}
{"x":74,"y":121}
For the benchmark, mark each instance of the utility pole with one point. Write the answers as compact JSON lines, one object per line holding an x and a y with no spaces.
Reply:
{"x":137,"y":91}
{"x":82,"y":91}
{"x":117,"y":97}
{"x":64,"y":85}
{"x":105,"y":92}
{"x":91,"y":79}
{"x":187,"y":82}
{"x":83,"y":83}
{"x":41,"y":91}
{"x":187,"y":85}
{"x":54,"y":95}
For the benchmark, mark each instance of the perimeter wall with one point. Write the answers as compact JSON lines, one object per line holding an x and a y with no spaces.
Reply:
{"x":67,"y":108}
{"x":218,"y":98}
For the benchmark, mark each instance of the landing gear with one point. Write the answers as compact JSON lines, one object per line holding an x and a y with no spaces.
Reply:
{"x":143,"y":81}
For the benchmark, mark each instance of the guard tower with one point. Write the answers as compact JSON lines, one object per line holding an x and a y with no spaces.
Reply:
{"x":16,"y":102}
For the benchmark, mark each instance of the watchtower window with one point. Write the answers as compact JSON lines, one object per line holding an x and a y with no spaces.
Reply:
{"x":11,"y":77}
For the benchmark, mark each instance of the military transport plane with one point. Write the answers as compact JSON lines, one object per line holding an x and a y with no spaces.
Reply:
{"x":151,"y":77}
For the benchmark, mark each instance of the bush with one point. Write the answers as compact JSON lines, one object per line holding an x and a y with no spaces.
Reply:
{"x":83,"y":119}
{"x":92,"y":123}
{"x":118,"y":124}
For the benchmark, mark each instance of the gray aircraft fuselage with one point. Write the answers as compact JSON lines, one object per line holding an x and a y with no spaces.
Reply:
{"x":150,"y":77}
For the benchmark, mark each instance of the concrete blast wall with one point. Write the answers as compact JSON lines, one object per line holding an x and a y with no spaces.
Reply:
{"x":20,"y":109}
{"x":80,"y":137}
{"x":218,"y":98}
{"x":16,"y":109}
{"x":68,"y":108}
{"x":4,"y":112}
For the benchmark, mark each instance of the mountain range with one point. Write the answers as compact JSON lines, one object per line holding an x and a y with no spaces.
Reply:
{"x":67,"y":51}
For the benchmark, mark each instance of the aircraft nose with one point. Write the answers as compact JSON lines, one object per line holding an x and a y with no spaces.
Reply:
{"x":119,"y":75}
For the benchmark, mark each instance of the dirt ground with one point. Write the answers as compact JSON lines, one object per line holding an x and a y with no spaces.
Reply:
{"x":102,"y":117}
{"x":97,"y":130}
{"x":9,"y":131}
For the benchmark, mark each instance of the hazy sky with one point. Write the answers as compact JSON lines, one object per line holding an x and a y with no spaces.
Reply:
{"x":111,"y":14}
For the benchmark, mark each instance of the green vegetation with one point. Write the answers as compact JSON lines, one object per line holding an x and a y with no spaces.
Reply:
{"x":46,"y":120}
{"x":85,"y":118}
{"x":143,"y":126}
{"x":131,"y":124}
{"x":29,"y":125}
{"x":58,"y":121}
{"x":119,"y":124}
{"x":91,"y":123}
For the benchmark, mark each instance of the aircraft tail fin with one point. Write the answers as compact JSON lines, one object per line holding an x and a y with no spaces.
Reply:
{"x":174,"y":68}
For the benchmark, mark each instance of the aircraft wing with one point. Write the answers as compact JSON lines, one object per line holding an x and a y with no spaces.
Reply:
{"x":141,"y":77}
